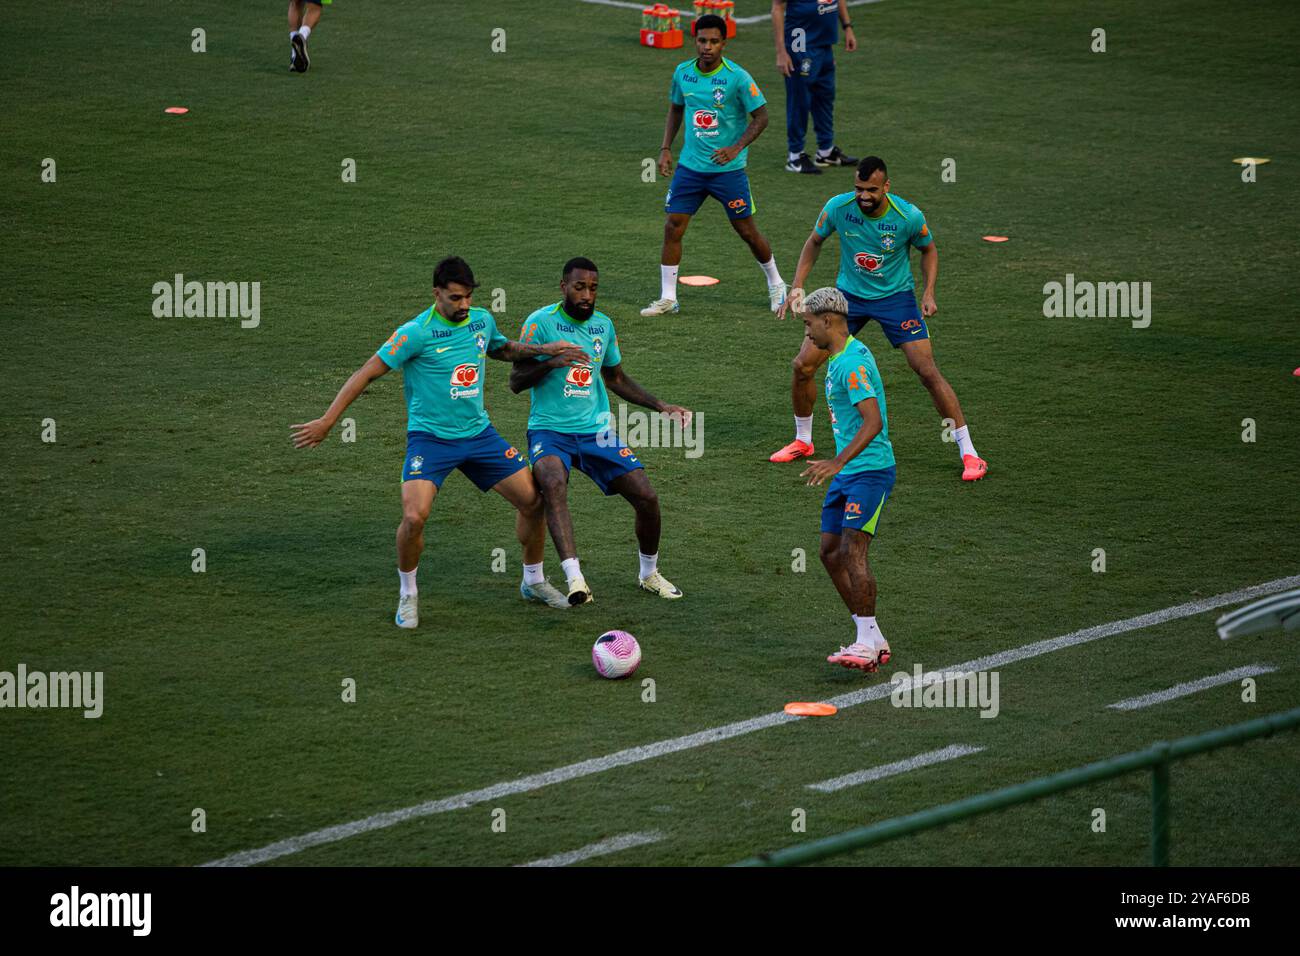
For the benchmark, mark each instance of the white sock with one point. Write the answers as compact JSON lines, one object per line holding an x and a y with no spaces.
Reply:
{"x":868,"y":632}
{"x":668,"y":282}
{"x":571,"y":569}
{"x":408,"y":580}
{"x":823,"y":153}
{"x":305,"y":31}
{"x":292,"y":34}
{"x":649,"y":564}
{"x":964,"y":445}
{"x":803,"y":429}
{"x":794,"y":157}
{"x":533,"y":573}
{"x":773,"y":277}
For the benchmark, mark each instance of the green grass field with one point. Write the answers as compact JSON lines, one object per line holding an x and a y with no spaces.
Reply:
{"x":223,"y":689}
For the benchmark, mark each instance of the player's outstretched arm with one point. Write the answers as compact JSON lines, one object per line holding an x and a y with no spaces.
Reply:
{"x":310,"y":434}
{"x":566,"y":352}
{"x":807,"y":259}
{"x":819,"y":471}
{"x":624,"y":386}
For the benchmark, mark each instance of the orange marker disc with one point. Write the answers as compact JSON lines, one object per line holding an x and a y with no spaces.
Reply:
{"x":176,"y":109}
{"x":698,"y":280}
{"x":996,"y":238}
{"x":802,"y":709}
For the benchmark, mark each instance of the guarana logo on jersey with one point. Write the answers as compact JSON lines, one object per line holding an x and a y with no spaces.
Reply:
{"x":577,"y":382}
{"x":464,"y":381}
{"x":706,"y":120}
{"x":870,"y":261}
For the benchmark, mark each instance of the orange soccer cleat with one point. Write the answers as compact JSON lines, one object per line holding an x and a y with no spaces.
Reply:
{"x":975,"y":468}
{"x":796,"y":449}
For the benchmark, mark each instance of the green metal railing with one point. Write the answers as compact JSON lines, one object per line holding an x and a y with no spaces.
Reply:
{"x":1157,"y":757}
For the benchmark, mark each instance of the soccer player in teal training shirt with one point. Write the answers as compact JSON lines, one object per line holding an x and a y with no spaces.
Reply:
{"x":877,"y":230}
{"x":862,"y":472}
{"x":441,"y":353}
{"x":569,"y":424}
{"x":714,"y":96}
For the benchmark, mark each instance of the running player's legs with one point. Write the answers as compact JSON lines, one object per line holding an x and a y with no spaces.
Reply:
{"x":803,"y":388}
{"x":920,"y":356}
{"x":686,"y":193}
{"x":552,"y":454}
{"x":417,"y":501}
{"x":850,"y":515}
{"x":636,"y":488}
{"x":530,"y":525}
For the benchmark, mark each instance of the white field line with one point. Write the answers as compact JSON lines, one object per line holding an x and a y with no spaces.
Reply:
{"x":1191,"y":687}
{"x":632,"y":755}
{"x":687,"y":9}
{"x":604,"y":847}
{"x":893,"y":769}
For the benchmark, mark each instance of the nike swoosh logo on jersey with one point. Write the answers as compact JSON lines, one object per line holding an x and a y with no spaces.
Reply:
{"x":443,"y":349}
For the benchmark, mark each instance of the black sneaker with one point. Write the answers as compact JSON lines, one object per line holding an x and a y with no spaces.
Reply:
{"x":300,"y":58}
{"x":836,"y":157}
{"x":802,"y":165}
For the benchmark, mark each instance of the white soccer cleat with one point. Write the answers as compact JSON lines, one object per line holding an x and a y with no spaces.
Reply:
{"x":660,"y":585}
{"x":408,"y":611}
{"x":579,"y":593}
{"x":661,"y":307}
{"x":545,"y":592}
{"x":776,"y":295}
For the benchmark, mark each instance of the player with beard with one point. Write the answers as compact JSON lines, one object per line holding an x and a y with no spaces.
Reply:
{"x":441,"y":353}
{"x":877,"y":230}
{"x":569,"y":424}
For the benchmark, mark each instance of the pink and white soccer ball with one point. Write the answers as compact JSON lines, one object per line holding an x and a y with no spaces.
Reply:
{"x":616,"y":654}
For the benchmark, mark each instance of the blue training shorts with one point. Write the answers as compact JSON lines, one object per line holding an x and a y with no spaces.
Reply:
{"x":855,"y":501}
{"x":601,"y":456}
{"x":484,"y":459}
{"x":689,"y":187}
{"x":898,"y":315}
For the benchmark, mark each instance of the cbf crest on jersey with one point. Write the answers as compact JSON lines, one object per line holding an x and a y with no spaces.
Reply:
{"x":887,"y":242}
{"x":719,"y":96}
{"x":597,"y":348}
{"x":481,"y":342}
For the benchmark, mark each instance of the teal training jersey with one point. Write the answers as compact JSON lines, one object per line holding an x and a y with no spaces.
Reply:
{"x":852,"y":376}
{"x":572,"y":399}
{"x":874,"y":252}
{"x":717,"y":111}
{"x":442,"y":371}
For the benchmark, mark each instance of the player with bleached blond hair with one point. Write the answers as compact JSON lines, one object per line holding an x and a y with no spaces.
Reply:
{"x":861,"y":473}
